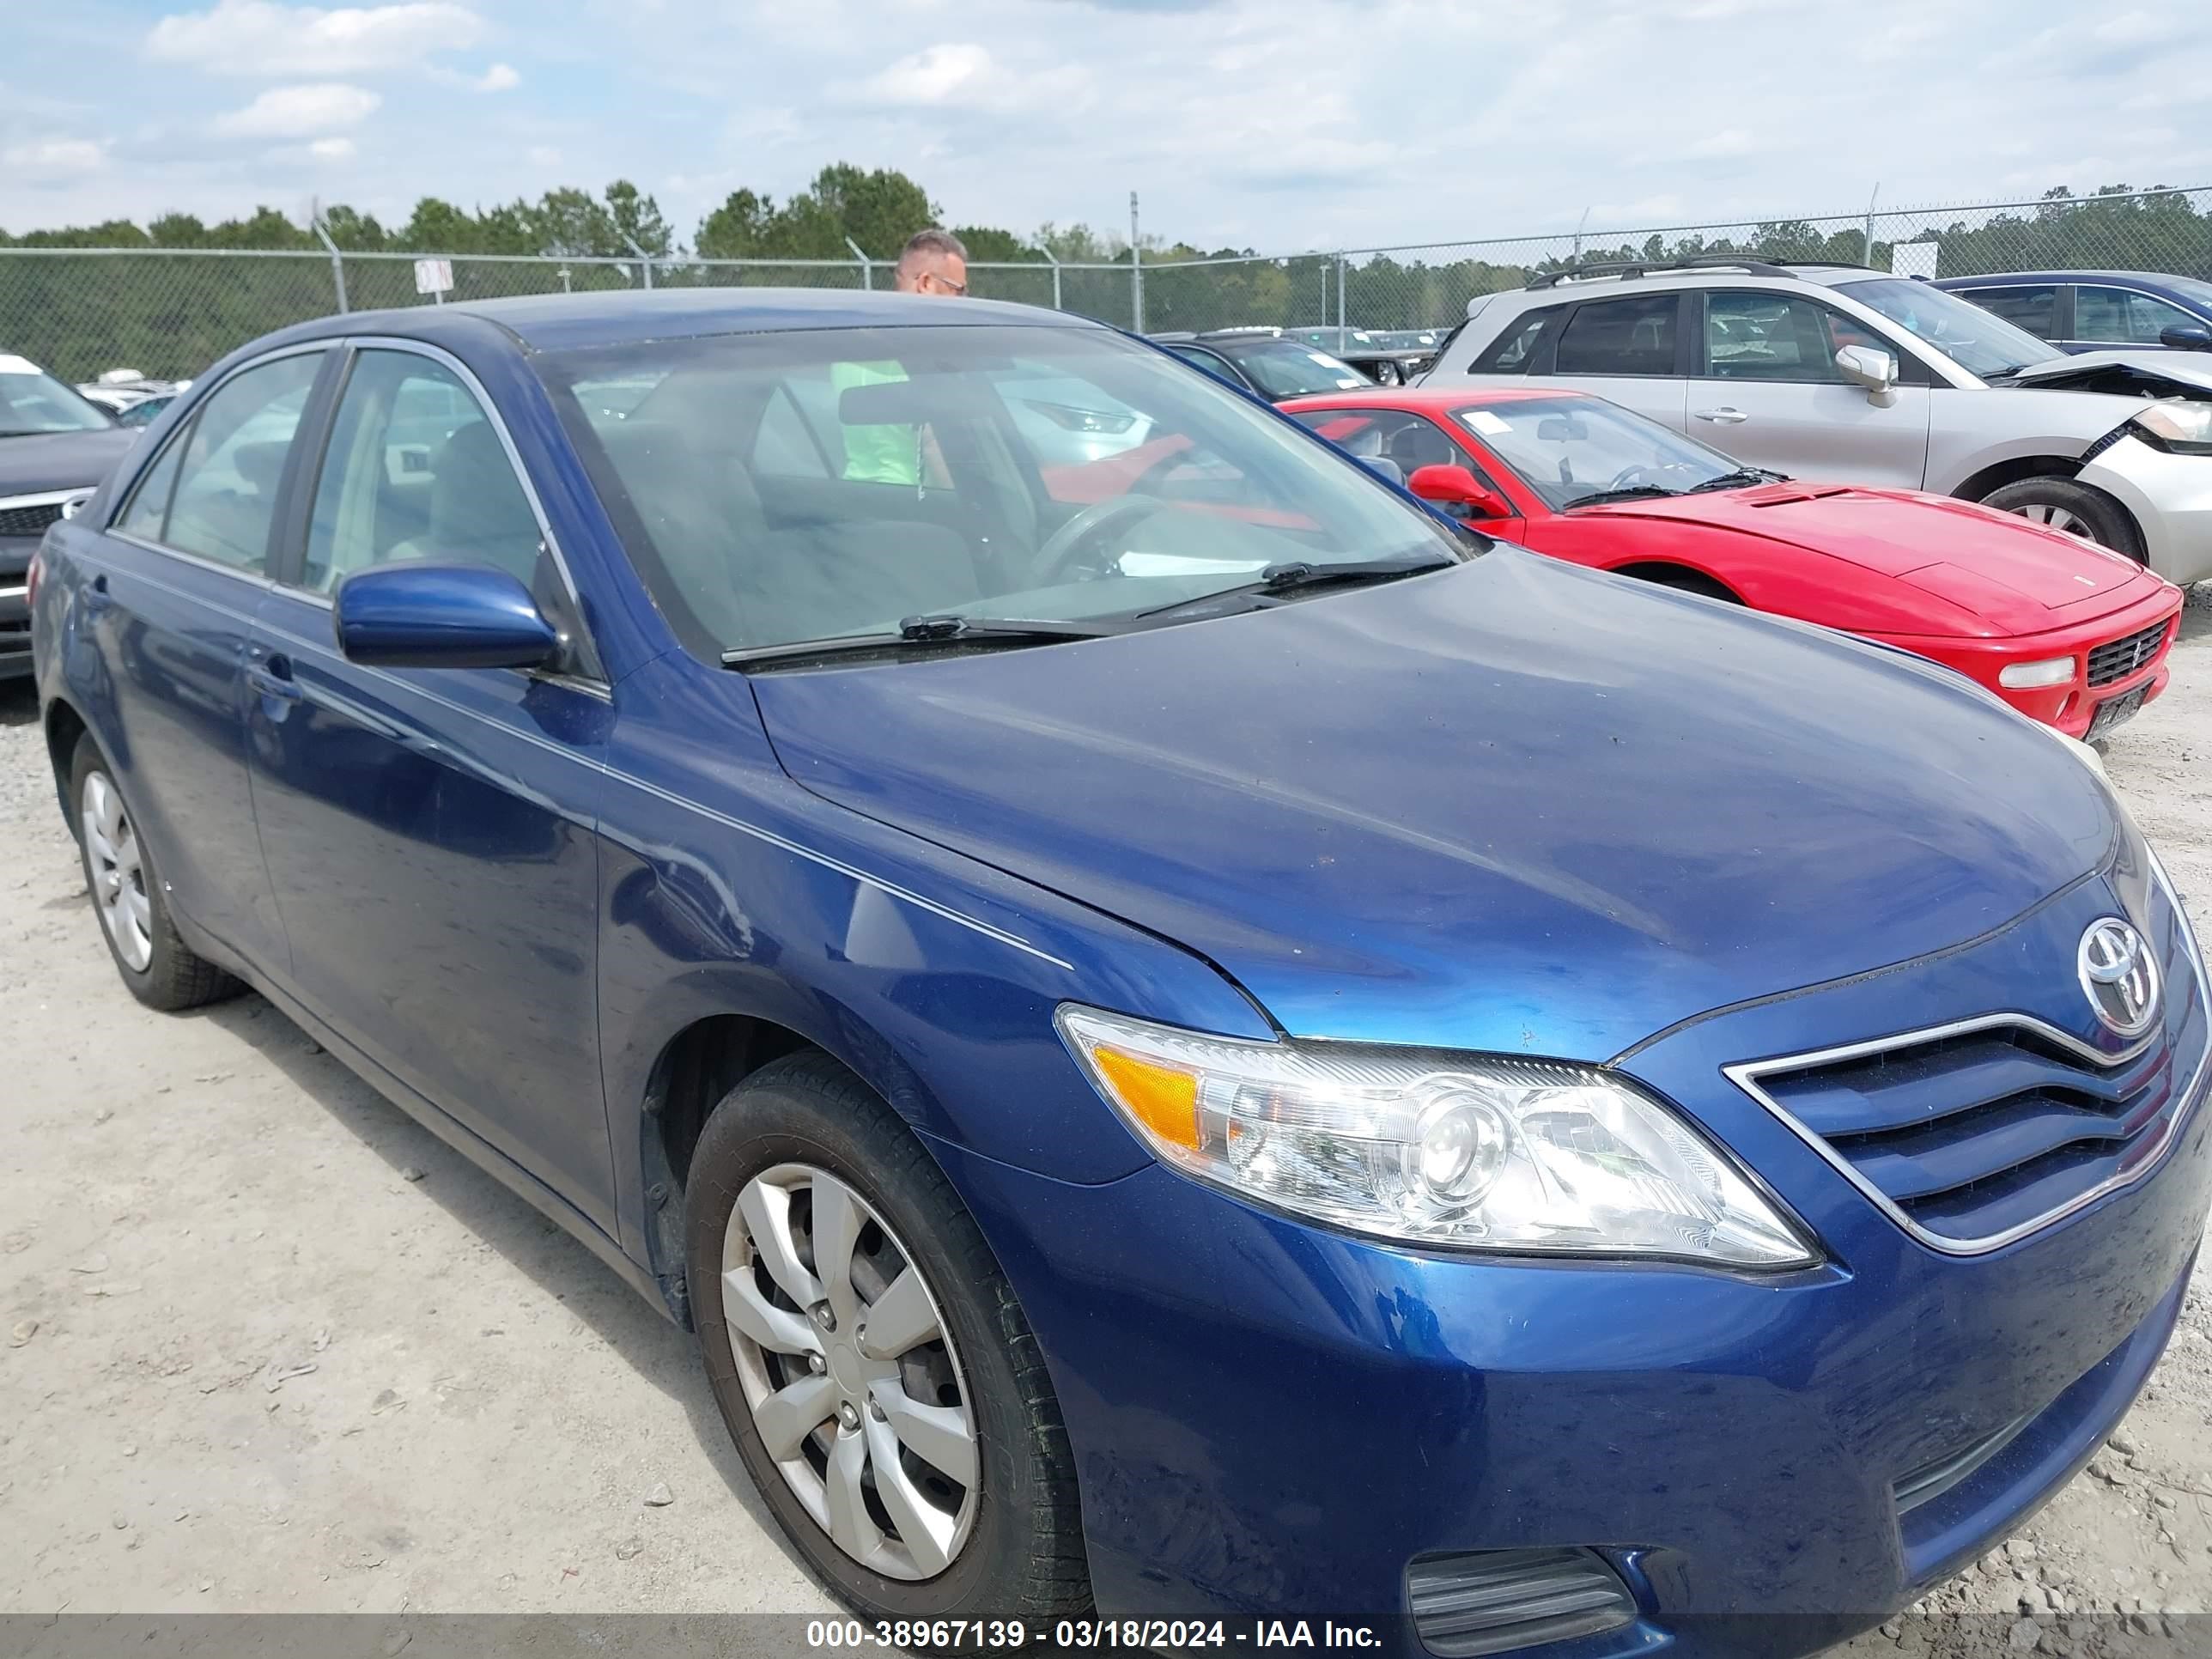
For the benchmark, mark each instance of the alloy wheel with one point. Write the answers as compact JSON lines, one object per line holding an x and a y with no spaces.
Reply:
{"x":118,"y":873}
{"x":2055,"y":518}
{"x":850,"y":1372}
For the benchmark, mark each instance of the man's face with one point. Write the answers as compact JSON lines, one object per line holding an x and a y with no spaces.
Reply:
{"x":943,"y":274}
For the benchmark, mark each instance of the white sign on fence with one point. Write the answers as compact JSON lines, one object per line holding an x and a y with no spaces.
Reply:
{"x":1913,"y":259}
{"x":434,"y":275}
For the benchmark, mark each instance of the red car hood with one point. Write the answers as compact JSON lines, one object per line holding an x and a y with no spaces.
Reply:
{"x":2013,"y":574}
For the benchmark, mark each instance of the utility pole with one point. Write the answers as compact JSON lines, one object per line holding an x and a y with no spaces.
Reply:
{"x":1136,"y":272}
{"x":1867,"y":257}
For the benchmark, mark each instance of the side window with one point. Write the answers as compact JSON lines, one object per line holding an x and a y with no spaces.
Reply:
{"x":414,"y":471}
{"x":149,"y":505}
{"x":2035,"y":309}
{"x":225,"y":491}
{"x":1621,"y":336}
{"x":1514,"y":351}
{"x":1752,"y":335}
{"x":784,"y":446}
{"x":1411,"y":441}
{"x":2116,"y":316}
{"x":1216,"y":367}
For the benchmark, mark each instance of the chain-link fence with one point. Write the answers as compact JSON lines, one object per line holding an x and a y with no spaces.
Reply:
{"x":169,"y":313}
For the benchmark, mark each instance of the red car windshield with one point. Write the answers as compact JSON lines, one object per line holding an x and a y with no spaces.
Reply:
{"x":1569,"y":450}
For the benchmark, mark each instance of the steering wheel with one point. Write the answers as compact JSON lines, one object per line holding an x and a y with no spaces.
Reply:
{"x":1064,"y":550}
{"x":1631,"y":478}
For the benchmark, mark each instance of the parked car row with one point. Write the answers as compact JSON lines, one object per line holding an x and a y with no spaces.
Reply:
{"x":1198,"y":1038}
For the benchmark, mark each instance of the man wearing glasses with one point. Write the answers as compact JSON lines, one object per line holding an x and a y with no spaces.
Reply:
{"x":934,"y":263}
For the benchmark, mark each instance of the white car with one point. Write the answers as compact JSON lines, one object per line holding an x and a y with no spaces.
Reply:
{"x":1835,"y":372}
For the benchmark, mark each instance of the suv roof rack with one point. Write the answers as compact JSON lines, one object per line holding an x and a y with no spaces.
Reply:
{"x":1246,"y":331}
{"x":1630,"y":268}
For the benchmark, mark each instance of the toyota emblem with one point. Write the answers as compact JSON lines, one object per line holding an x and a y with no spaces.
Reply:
{"x":2118,"y":976}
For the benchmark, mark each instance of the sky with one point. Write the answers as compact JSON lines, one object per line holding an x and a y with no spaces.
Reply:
{"x":1277,"y":124}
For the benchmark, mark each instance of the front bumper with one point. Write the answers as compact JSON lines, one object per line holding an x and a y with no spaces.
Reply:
{"x":16,"y":553}
{"x":2171,"y":497}
{"x":1271,"y":1420}
{"x":2072,"y":706}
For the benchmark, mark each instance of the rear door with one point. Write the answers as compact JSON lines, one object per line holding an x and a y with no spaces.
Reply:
{"x":1768,"y":391}
{"x":174,"y":587}
{"x":430,"y":833}
{"x":1627,"y":349}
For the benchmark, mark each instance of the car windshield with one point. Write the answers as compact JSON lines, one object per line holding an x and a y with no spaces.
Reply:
{"x":781,"y":488}
{"x":1976,"y":339}
{"x":2190,"y":289}
{"x":31,"y":401}
{"x":1284,"y":368}
{"x":1569,"y":449}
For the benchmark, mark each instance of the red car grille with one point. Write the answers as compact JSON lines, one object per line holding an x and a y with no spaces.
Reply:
{"x":2120,"y":658}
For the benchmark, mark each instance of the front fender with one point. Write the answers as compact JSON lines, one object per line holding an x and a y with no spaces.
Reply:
{"x":726,"y":889}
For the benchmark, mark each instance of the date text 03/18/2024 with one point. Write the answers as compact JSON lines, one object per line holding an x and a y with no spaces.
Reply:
{"x":921,"y":1635}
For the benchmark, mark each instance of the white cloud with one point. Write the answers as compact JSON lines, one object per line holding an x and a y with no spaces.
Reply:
{"x":55,"y":158}
{"x":299,"y":111}
{"x":544,"y":156}
{"x":331,"y":149}
{"x":500,"y":77}
{"x":254,"y":37}
{"x":1728,"y":141}
{"x":933,"y":76}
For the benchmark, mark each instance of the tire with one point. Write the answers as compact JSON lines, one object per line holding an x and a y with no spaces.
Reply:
{"x":1005,"y":1544}
{"x":1683,"y":581}
{"x":160,"y":969}
{"x":2075,"y":509}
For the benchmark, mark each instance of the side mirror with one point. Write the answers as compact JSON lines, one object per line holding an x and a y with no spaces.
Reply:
{"x":441,"y":615}
{"x":2186,"y":336}
{"x":1874,"y":370}
{"x":1456,"y":487}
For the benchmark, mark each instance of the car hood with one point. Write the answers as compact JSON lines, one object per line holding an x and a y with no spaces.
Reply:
{"x":2016,"y":577}
{"x":61,"y":461}
{"x":2124,"y":373}
{"x":1517,"y":805}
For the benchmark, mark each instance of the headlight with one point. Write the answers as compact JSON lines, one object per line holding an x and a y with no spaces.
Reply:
{"x":1497,"y":1154}
{"x":2183,"y":427}
{"x":2025,"y":676}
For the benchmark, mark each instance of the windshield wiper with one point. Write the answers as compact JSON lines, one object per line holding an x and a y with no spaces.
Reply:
{"x":1628,"y":493}
{"x":1742,"y":478}
{"x":924,"y":634}
{"x":1298,"y":574}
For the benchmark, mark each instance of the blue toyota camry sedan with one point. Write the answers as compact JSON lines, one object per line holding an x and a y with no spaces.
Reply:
{"x":1193,"y":1043}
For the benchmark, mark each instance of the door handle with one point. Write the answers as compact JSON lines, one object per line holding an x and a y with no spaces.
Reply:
{"x":97,"y":599}
{"x":1723,"y":415}
{"x":274,"y":679}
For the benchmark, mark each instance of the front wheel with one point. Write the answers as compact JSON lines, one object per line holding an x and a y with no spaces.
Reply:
{"x":870,"y":1360}
{"x":2074,"y":508}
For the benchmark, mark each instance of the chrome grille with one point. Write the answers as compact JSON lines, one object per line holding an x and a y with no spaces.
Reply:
{"x":2116,"y":660}
{"x":29,"y":520}
{"x":1973,"y":1134}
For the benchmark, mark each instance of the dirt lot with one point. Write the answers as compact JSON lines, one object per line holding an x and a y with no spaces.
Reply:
{"x":270,"y":1347}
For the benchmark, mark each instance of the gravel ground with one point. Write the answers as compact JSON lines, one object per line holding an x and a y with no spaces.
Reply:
{"x":271,"y":1347}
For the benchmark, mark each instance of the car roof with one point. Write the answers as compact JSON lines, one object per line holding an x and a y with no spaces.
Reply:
{"x":1432,"y":400}
{"x":2148,"y":278}
{"x":549,"y":322}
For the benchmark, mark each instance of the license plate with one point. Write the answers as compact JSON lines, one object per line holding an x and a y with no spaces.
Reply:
{"x":2113,"y":710}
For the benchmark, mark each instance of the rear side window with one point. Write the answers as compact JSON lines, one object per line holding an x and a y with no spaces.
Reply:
{"x":150,"y":507}
{"x":233,"y":461}
{"x":1621,"y":336}
{"x":1514,"y":352}
{"x":2035,"y":309}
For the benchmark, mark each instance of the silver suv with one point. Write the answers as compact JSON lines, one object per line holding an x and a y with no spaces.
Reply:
{"x":1835,"y":372}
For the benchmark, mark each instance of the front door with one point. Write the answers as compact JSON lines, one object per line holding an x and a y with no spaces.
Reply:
{"x":1769,"y":393}
{"x":429,"y":834}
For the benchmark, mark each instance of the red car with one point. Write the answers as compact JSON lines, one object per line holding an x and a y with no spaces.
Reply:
{"x":2065,"y":631}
